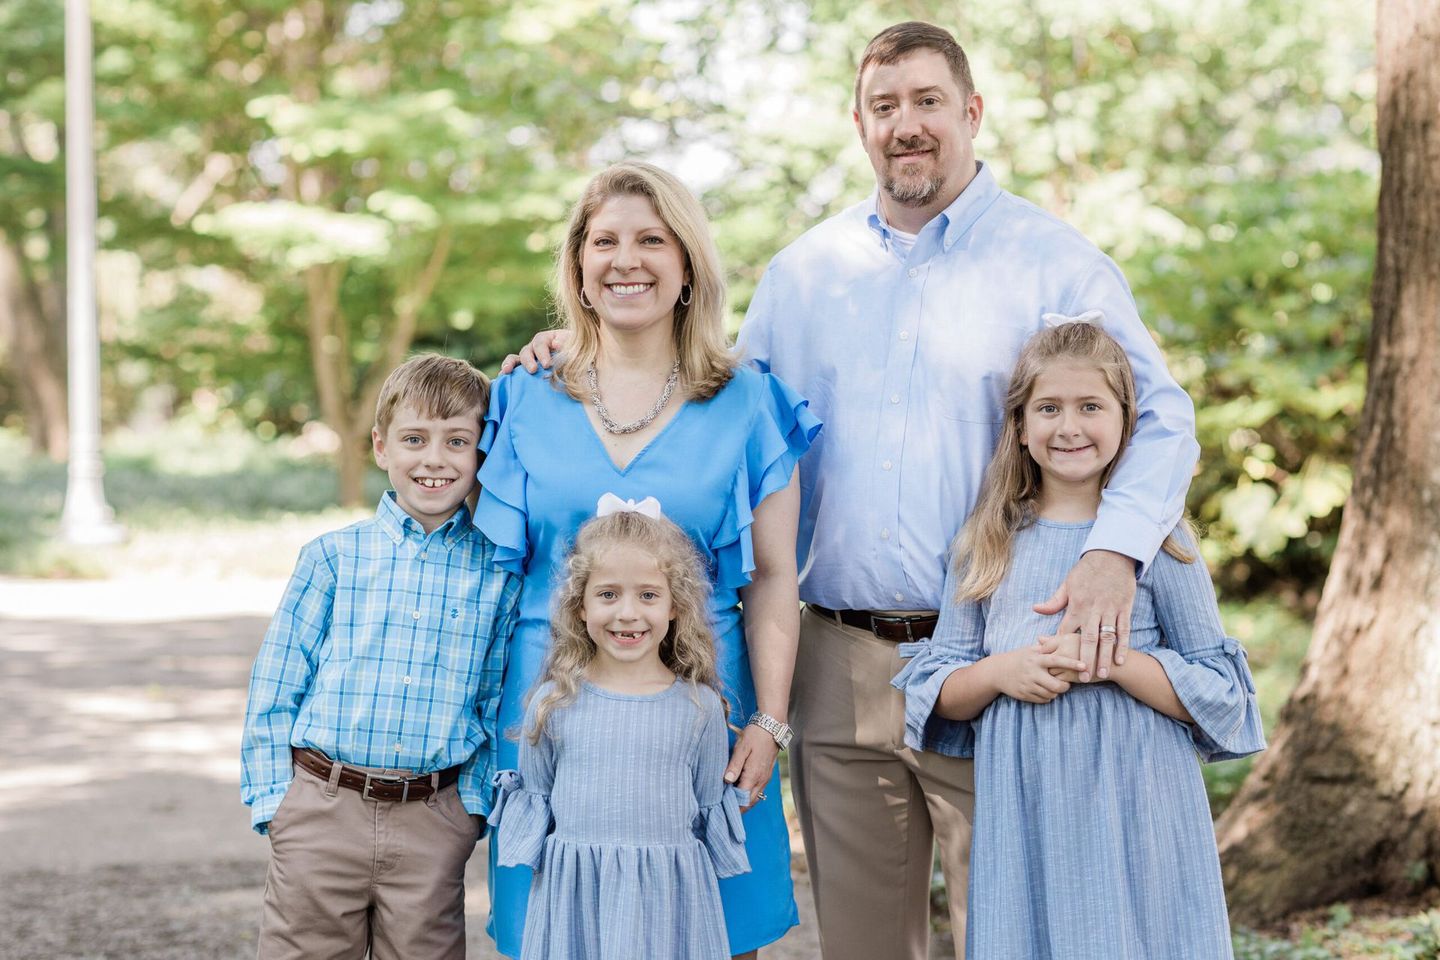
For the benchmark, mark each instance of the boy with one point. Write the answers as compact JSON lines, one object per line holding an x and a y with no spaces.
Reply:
{"x":373,"y":700}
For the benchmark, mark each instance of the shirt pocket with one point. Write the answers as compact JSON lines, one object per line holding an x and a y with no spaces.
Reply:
{"x":461,"y":642}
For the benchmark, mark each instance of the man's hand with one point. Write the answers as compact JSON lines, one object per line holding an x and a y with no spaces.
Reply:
{"x":752,"y":762}
{"x":1028,"y":674}
{"x":539,"y":352}
{"x":1097,"y":597}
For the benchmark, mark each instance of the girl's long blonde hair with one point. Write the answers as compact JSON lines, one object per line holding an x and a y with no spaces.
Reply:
{"x":688,"y":649}
{"x":706,"y":363}
{"x":1010,"y":494}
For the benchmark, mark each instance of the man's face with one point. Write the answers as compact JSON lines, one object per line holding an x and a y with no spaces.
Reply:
{"x":918,"y":129}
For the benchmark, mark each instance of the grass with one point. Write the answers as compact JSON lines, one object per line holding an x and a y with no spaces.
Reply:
{"x":194,"y":502}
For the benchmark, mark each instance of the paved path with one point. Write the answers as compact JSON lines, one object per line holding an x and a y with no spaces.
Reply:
{"x":120,"y":820}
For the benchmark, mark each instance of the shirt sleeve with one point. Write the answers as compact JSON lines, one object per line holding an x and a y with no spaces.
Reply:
{"x":280,"y":679}
{"x":958,"y":642}
{"x":1146,"y":495}
{"x":501,"y":510}
{"x":478,"y":770}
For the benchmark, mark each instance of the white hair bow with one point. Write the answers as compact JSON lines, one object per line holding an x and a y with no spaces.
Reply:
{"x":1089,"y":316}
{"x":609,"y":503}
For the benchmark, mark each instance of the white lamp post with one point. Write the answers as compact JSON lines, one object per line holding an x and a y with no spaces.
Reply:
{"x":87,"y":518}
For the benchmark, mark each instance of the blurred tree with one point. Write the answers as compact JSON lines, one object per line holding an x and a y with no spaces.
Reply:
{"x":1346,"y":803}
{"x":32,"y":216}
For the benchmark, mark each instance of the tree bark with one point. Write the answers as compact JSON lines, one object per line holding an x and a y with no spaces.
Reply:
{"x":1346,"y":802}
{"x":33,"y":327}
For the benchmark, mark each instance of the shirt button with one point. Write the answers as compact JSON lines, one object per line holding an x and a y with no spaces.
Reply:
{"x":886,"y":465}
{"x":913,"y":273}
{"x":899,"y":596}
{"x":397,"y":746}
{"x":416,"y":615}
{"x":406,"y":681}
{"x":422,"y":554}
{"x":904,"y":334}
{"x":894,"y":398}
{"x":885,"y":534}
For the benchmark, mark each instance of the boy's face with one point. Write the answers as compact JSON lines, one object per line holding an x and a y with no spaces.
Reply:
{"x":431,"y":462}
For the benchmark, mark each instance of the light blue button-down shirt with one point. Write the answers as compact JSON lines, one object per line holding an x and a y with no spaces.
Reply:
{"x":906,"y":357}
{"x":387,"y":650}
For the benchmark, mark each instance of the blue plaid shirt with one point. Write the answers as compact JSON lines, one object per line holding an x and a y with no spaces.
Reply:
{"x":388,"y":650}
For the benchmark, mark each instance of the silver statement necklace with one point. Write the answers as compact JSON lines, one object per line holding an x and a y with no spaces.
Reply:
{"x":623,"y":428}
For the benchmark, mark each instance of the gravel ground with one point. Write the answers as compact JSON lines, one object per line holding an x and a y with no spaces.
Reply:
{"x":121,"y":830}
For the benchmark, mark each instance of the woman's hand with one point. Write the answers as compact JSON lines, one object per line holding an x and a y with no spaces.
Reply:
{"x":539,"y":352}
{"x":751,"y":762}
{"x":1026,"y":674}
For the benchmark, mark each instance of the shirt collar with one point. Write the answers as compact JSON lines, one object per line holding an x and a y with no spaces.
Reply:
{"x":955,"y":220}
{"x":398,"y":524}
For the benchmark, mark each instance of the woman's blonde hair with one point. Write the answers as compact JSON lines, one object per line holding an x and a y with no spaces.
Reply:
{"x":688,"y":648}
{"x":1011,"y":491}
{"x":706,"y":363}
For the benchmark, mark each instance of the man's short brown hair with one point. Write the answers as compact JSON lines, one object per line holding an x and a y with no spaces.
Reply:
{"x":894,"y":44}
{"x":436,"y":386}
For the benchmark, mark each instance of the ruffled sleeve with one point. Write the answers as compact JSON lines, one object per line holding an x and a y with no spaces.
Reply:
{"x":717,"y":822}
{"x":723,"y":832}
{"x":501,"y":512}
{"x":1217,"y":690}
{"x":781,"y":430}
{"x":1209,"y":670}
{"x":526,"y":820}
{"x":956,"y":643}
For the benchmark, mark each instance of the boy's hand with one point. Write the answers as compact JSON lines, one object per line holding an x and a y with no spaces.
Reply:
{"x":1027,"y":674}
{"x":539,"y":352}
{"x":1065,"y":645}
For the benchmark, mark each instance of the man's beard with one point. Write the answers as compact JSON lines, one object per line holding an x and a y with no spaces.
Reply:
{"x":916,"y":191}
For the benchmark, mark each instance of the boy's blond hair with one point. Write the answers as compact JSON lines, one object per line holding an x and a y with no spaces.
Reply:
{"x":436,"y":386}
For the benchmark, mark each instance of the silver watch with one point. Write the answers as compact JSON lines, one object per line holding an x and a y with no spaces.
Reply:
{"x":780,"y":731}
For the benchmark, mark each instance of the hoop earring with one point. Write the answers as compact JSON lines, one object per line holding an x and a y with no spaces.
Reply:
{"x":585,"y":302}
{"x":686,"y":295}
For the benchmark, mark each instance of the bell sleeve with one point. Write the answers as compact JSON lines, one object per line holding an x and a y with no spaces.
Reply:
{"x":1209,"y":670}
{"x":521,"y":819}
{"x":718,"y":823}
{"x":956,"y":643}
{"x":500,"y":511}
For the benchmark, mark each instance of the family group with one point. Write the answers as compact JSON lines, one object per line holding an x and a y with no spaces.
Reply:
{"x":575,"y":622}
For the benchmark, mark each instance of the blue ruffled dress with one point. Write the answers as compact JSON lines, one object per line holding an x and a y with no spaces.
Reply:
{"x":622,"y":811}
{"x":1092,"y":834}
{"x":709,"y":467}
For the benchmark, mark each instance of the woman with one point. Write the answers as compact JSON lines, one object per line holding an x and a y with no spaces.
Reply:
{"x":647,"y":401}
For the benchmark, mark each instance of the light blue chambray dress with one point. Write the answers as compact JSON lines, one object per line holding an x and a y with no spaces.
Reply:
{"x":622,"y":811}
{"x":710,"y":467}
{"x":1092,"y":836}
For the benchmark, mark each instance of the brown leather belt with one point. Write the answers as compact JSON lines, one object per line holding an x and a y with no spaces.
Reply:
{"x":372,"y":786}
{"x":895,"y":629}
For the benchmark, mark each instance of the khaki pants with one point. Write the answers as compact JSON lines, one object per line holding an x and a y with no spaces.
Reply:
{"x":870,"y":808}
{"x":347,"y":874}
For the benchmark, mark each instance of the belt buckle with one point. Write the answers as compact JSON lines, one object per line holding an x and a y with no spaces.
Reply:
{"x":370,"y":779}
{"x":906,"y":621}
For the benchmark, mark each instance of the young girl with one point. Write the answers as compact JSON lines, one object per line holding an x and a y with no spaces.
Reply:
{"x":1092,"y":835}
{"x":620,"y":806}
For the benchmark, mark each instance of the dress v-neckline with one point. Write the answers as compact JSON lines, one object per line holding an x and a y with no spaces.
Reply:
{"x":639,"y":454}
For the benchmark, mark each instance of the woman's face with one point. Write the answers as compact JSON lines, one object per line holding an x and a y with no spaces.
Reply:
{"x":631,"y":265}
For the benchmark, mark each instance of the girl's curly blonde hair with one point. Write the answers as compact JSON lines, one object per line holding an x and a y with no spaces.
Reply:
{"x":688,"y":649}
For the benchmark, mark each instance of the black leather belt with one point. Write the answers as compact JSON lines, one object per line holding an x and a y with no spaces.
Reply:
{"x":894,"y":629}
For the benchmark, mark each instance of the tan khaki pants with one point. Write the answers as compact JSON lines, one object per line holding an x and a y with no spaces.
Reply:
{"x":347,"y":874}
{"x":870,"y":808}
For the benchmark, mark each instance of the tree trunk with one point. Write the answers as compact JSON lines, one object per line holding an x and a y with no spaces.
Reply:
{"x":35,"y":340}
{"x":1346,"y":803}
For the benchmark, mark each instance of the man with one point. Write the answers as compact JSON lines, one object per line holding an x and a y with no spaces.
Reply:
{"x":900,"y":319}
